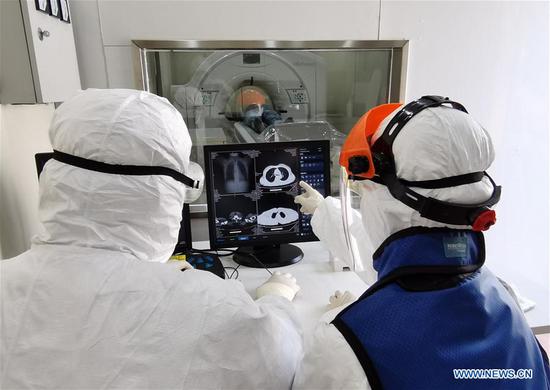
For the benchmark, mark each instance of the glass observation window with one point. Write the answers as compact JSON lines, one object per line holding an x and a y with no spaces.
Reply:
{"x":247,"y":95}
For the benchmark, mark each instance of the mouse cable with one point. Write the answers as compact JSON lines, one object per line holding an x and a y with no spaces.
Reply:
{"x":234,"y":272}
{"x":259,"y":262}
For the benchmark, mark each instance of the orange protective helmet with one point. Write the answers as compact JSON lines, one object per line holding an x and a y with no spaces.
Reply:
{"x":356,"y":152}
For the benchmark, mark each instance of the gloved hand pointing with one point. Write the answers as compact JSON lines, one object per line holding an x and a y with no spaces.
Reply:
{"x":283,"y":285}
{"x":309,"y":200}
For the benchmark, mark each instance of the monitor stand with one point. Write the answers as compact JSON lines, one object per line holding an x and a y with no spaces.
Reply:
{"x":271,"y":256}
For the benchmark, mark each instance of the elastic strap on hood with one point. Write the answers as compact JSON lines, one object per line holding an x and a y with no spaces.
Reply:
{"x":132,"y":170}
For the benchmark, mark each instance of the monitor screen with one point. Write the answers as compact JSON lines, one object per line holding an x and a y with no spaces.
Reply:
{"x":251,"y":188}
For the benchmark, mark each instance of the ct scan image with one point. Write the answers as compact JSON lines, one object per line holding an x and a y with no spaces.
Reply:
{"x":277,"y":213}
{"x":236,"y":215}
{"x":277,"y":176}
{"x":234,"y":173}
{"x":277,"y":170}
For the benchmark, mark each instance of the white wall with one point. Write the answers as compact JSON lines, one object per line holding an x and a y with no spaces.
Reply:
{"x":493,"y":57}
{"x":114,"y":23}
{"x":23,"y":132}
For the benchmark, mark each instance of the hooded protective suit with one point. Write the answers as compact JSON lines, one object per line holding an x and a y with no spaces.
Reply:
{"x":92,"y":304}
{"x":437,"y":142}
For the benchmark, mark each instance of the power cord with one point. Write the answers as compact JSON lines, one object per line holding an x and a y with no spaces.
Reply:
{"x":234,"y":272}
{"x":258,"y":261}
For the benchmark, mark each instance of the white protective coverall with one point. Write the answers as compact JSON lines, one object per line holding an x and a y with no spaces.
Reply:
{"x":93,"y":305}
{"x":437,"y":142}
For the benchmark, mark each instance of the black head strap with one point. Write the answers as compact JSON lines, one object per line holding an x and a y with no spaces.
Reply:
{"x":437,"y":210}
{"x":430,"y":208}
{"x":385,"y":142}
{"x":446,"y":182}
{"x":132,"y":170}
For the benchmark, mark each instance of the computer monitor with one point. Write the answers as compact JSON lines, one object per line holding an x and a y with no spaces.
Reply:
{"x":184,"y":243}
{"x":250,"y":190}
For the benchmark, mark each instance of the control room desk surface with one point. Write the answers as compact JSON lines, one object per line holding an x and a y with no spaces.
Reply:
{"x":313,"y":274}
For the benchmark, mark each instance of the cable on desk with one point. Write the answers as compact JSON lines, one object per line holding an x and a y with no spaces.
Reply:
{"x":235,"y":272}
{"x":259,"y":262}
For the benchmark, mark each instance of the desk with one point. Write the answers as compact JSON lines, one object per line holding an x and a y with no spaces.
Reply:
{"x":315,"y":277}
{"x":318,"y":282}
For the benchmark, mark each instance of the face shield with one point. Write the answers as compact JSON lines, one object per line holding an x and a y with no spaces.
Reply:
{"x":349,"y":201}
{"x":193,"y":181}
{"x":356,"y":156}
{"x":356,"y":152}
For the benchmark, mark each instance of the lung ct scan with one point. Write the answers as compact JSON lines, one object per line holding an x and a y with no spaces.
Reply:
{"x":252,"y":188}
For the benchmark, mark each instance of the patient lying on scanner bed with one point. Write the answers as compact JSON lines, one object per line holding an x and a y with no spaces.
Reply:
{"x":260,"y":116}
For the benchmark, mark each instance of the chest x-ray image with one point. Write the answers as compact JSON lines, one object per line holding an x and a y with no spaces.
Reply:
{"x":234,"y":173}
{"x":277,"y":175}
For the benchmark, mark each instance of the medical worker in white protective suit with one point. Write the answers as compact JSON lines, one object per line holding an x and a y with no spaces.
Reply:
{"x":425,"y":198}
{"x":93,"y":304}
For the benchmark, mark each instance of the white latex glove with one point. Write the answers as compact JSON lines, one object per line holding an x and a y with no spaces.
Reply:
{"x":309,"y":200}
{"x":340,"y":299}
{"x":283,"y":285}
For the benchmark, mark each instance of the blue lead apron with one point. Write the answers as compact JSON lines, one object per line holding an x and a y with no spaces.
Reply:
{"x":435,"y":309}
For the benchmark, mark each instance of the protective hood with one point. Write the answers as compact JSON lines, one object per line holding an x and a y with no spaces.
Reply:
{"x":436,"y":143}
{"x":138,"y":215}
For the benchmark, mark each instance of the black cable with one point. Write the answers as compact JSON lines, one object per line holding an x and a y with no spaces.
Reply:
{"x":235,"y":272}
{"x":258,"y":260}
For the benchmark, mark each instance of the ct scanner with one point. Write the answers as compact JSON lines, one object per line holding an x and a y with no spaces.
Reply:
{"x":293,"y":84}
